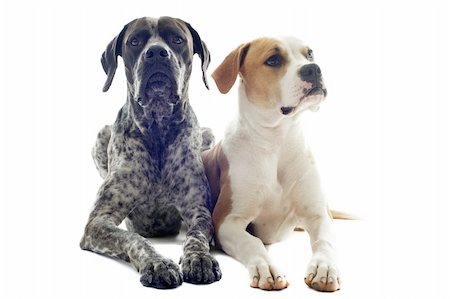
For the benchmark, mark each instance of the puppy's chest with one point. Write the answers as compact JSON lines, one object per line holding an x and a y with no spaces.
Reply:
{"x":276,"y":220}
{"x":279,"y":212}
{"x":277,"y":216}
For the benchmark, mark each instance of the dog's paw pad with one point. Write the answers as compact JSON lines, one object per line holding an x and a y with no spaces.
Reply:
{"x":200,"y":268}
{"x":164,"y":274}
{"x":322,"y":276}
{"x":267,"y":278}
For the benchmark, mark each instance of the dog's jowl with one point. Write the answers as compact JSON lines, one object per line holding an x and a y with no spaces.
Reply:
{"x":150,"y":157}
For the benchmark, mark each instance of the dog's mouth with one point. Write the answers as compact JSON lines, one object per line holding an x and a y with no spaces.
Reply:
{"x":315,"y":91}
{"x":158,"y":97}
{"x":285,"y":110}
{"x":159,"y":89}
{"x":159,"y":84}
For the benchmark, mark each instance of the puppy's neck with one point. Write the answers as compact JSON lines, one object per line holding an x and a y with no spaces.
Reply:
{"x":267,"y":122}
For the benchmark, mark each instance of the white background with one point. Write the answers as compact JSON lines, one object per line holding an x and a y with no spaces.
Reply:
{"x":381,"y":139}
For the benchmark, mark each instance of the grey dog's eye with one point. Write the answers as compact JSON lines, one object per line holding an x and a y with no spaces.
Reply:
{"x":310,"y":55}
{"x":177,"y":40}
{"x":134,"y":42}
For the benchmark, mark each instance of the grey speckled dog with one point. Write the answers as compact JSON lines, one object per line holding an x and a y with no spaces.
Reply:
{"x":150,"y":158}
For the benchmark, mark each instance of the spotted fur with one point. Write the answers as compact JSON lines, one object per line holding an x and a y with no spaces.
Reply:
{"x":150,"y":161}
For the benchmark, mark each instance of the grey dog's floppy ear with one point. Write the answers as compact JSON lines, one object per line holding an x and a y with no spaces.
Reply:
{"x":202,"y":51}
{"x":109,"y":57}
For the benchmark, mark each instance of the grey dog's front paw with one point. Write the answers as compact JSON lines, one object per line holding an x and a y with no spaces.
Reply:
{"x":163,"y":274}
{"x":200,"y":268}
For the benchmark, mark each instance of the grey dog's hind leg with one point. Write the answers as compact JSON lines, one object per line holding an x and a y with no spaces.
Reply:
{"x":100,"y":150}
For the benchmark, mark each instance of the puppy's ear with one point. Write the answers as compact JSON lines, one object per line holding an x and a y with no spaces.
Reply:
{"x":202,"y":51}
{"x":226,"y":73}
{"x":109,"y":57}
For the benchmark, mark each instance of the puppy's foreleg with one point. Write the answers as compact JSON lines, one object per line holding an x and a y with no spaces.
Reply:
{"x":250,"y":250}
{"x":322,"y":273}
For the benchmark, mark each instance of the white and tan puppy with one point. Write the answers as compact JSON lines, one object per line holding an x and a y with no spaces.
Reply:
{"x":263,"y":178}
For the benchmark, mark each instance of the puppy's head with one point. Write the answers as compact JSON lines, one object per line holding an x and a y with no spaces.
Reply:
{"x":278,"y":74}
{"x":157,"y":54}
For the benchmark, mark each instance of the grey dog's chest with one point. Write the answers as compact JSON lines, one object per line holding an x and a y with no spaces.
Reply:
{"x":168,"y":152}
{"x":173,"y":167}
{"x":172,"y":149}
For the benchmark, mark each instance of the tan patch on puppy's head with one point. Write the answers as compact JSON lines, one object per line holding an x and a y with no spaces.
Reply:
{"x":261,"y":64}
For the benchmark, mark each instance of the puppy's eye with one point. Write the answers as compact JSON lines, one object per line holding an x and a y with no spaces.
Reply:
{"x":274,"y":61}
{"x":310,"y":55}
{"x":177,"y":40}
{"x":134,"y":42}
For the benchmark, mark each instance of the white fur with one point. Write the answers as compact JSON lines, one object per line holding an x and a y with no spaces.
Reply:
{"x":275,"y":184}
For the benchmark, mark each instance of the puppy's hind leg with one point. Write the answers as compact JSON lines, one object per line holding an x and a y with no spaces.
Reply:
{"x":208,"y":139}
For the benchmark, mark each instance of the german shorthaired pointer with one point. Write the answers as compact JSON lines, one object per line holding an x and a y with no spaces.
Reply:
{"x":150,"y":157}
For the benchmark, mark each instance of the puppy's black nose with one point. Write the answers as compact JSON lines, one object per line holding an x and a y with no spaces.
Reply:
{"x":310,"y":72}
{"x":156,"y":53}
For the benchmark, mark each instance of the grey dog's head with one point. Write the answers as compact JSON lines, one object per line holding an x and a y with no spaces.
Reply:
{"x":157,"y":54}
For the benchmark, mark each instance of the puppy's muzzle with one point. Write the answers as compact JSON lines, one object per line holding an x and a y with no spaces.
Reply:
{"x":312,"y":75}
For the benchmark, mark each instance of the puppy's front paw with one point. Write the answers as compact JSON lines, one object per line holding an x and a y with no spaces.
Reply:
{"x":267,"y":277}
{"x":200,"y":268}
{"x":322,"y":274}
{"x":162,"y":274}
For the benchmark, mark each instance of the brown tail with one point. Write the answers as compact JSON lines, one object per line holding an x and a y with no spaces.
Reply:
{"x":343,"y":215}
{"x":336,"y":215}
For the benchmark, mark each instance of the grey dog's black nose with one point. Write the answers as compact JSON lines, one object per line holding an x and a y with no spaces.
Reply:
{"x":310,"y":72}
{"x":156,"y":53}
